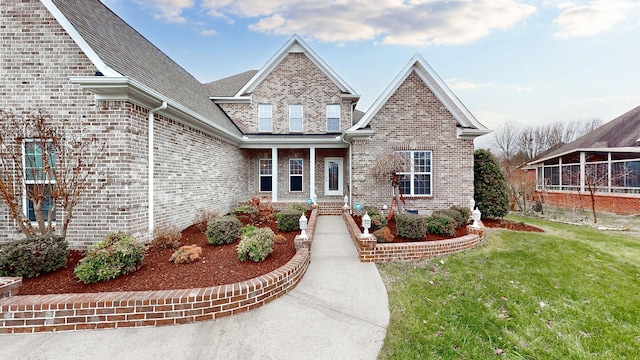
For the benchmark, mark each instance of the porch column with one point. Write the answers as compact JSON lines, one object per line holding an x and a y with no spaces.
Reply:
{"x":312,"y":171}
{"x":583,"y":169}
{"x":274,"y":180}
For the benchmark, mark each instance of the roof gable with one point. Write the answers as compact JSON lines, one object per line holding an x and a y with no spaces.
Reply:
{"x":295,"y":45}
{"x":469,"y":126}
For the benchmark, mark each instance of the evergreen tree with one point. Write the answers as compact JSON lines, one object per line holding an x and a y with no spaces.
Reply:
{"x":490,"y":186}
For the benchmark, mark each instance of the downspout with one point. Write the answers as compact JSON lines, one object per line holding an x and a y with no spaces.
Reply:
{"x":350,"y":169}
{"x":151,"y":169}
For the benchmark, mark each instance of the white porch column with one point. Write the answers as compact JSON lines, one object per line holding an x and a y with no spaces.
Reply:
{"x":274,"y":180}
{"x":312,"y":171}
{"x":583,"y":169}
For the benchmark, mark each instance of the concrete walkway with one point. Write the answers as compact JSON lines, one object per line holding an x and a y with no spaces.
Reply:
{"x":338,"y":311}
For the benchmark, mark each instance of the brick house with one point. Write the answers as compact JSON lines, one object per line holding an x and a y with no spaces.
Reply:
{"x":176,"y":146}
{"x":607,"y":160}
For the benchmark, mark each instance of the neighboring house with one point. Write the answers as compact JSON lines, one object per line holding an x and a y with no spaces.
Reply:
{"x":176,"y":146}
{"x":605,"y":161}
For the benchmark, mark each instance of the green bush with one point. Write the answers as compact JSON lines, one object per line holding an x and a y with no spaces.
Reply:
{"x":372,"y":210}
{"x":116,"y":255}
{"x":378,"y":221}
{"x":257,"y":245}
{"x":464,"y":211}
{"x":245,"y":209}
{"x":33,"y":256}
{"x":454,"y":214}
{"x":298,"y":207}
{"x":490,"y":186}
{"x":441,"y":224}
{"x":223,"y":230}
{"x":411,"y":226}
{"x":288,"y":220}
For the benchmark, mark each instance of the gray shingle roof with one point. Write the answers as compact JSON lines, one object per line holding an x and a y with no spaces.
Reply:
{"x":624,"y":131}
{"x":125,"y":50}
{"x":229,"y":86}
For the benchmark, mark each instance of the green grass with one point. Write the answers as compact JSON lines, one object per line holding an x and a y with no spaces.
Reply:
{"x":569,"y":293}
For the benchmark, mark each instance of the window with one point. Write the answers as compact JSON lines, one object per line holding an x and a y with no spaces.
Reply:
{"x":626,"y":174}
{"x":295,"y":175}
{"x":418,"y":180}
{"x":295,"y":118}
{"x":38,"y":177}
{"x":333,"y":118}
{"x":265,"y":117}
{"x":571,"y":177}
{"x":266,"y":175}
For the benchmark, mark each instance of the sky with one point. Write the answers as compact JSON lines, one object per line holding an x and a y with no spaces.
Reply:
{"x":524,"y":62}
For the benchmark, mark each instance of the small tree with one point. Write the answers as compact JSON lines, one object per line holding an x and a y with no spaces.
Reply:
{"x":387,"y":168}
{"x":49,"y":163}
{"x":490,"y":187}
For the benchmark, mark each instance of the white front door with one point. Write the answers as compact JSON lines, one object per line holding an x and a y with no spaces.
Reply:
{"x":333,"y":174}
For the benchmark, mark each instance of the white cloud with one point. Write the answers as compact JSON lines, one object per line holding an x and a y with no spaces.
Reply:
{"x":595,"y":17}
{"x":458,"y":85}
{"x":398,"y":22}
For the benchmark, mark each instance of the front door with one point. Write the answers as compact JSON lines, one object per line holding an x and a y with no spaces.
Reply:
{"x":333,"y":176}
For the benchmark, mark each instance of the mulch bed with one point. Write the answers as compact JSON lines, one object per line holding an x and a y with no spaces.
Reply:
{"x":219,"y":265}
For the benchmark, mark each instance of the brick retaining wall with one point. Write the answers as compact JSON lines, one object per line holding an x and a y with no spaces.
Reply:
{"x":371,"y":251}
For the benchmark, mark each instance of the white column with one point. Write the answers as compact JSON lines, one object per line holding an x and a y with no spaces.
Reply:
{"x":312,"y":171}
{"x":583,"y":169}
{"x":274,"y":181}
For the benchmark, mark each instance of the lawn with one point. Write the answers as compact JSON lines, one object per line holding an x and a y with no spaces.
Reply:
{"x":569,"y":293}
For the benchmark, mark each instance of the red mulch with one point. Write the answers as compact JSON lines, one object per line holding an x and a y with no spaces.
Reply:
{"x":460,"y":231}
{"x":218,"y":265}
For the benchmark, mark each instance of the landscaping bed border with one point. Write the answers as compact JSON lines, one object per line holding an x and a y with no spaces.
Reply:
{"x":68,"y":312}
{"x":369,"y":250}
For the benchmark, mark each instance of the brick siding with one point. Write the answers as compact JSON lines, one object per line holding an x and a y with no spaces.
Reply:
{"x":611,"y":203}
{"x":414,"y":119}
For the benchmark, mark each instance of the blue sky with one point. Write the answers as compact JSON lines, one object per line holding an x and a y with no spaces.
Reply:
{"x":528,"y":62}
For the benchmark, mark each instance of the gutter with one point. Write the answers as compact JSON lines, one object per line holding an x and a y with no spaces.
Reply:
{"x":350,"y":170}
{"x":151,"y":167}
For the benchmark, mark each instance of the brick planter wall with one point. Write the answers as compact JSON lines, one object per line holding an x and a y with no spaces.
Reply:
{"x":370,"y":251}
{"x":66,"y":312}
{"x":621,"y":204}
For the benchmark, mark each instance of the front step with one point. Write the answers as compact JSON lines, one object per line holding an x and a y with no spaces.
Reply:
{"x":330,"y":208}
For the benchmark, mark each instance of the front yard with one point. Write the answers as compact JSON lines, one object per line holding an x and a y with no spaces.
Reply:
{"x":571,"y":292}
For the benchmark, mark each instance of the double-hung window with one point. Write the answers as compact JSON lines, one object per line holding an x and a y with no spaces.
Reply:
{"x":295,"y":118}
{"x":295,"y":175}
{"x":39,"y":177}
{"x":417,"y":181}
{"x":333,"y":118}
{"x":266,"y":175}
{"x":265,"y":117}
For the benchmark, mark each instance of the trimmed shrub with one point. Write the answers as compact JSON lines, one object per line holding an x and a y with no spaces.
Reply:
{"x":298,"y":207}
{"x":224,"y":230}
{"x":116,"y":255}
{"x":411,"y":226}
{"x":33,"y":256}
{"x":464,"y":212}
{"x":455,"y":215}
{"x":441,"y":224}
{"x":166,"y":237}
{"x":279,"y":239}
{"x":186,"y":254}
{"x":288,"y":220}
{"x":257,"y":245}
{"x":245,"y":209}
{"x":202,"y":219}
{"x":383,"y":235}
{"x":490,"y":186}
{"x":378,"y":221}
{"x":372,"y":210}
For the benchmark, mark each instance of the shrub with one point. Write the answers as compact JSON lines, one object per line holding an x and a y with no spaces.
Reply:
{"x":465,"y":212}
{"x":298,"y":207}
{"x":256,"y":246}
{"x":372,"y":210}
{"x":279,"y":239}
{"x":186,"y":254}
{"x":116,"y":255}
{"x":224,"y":230}
{"x":245,"y":209}
{"x":454,"y":214}
{"x":202,"y":219}
{"x":441,"y":224}
{"x":411,"y":226}
{"x":383,"y":235}
{"x":490,"y":186}
{"x":166,"y":237}
{"x":378,"y":221}
{"x":33,"y":256}
{"x":288,"y":220}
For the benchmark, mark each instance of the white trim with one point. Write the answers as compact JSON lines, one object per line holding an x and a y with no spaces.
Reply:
{"x":411,"y":173}
{"x":610,"y":150}
{"x":294,"y":45}
{"x":312,"y":171}
{"x":274,"y":171}
{"x":79,"y":40}
{"x":300,"y":175}
{"x":470,"y":126}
